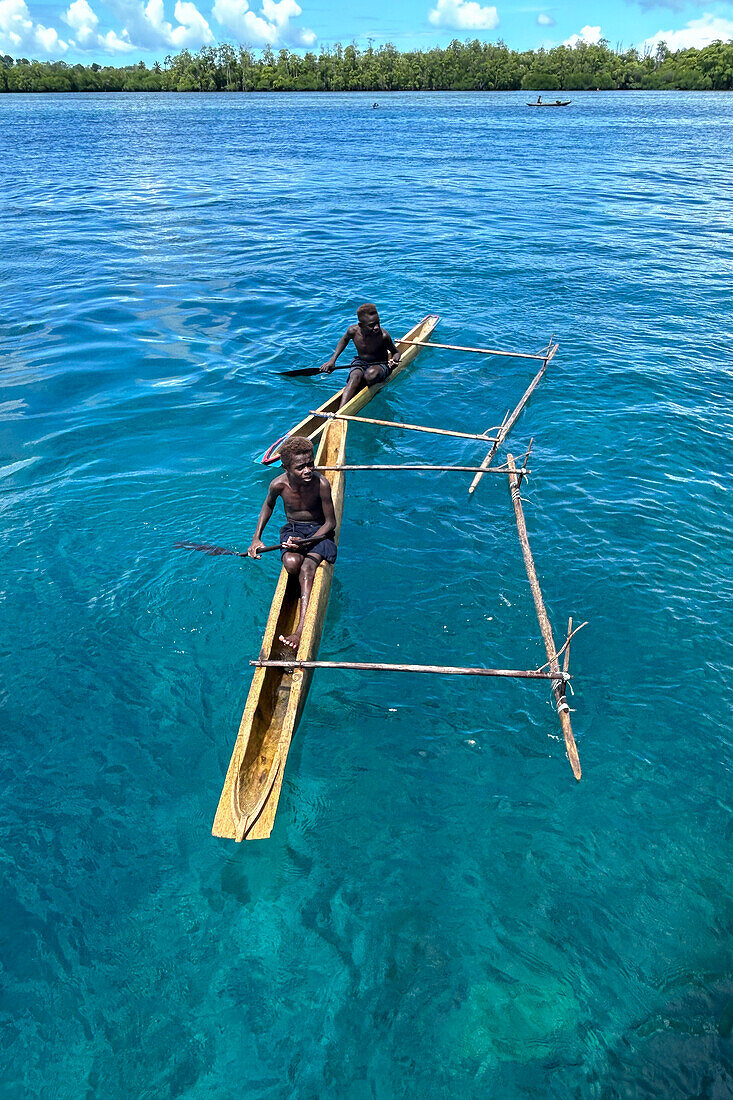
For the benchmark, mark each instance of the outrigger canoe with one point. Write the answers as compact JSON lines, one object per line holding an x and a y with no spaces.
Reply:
{"x":276,"y":697}
{"x":312,"y":426}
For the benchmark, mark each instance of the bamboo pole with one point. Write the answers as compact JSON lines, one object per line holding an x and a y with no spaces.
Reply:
{"x":526,"y":457}
{"x":408,"y":427}
{"x":566,"y":658}
{"x":479,"y":351}
{"x":558,"y":686}
{"x":418,"y":466}
{"x":513,"y":417}
{"x":441,"y":670}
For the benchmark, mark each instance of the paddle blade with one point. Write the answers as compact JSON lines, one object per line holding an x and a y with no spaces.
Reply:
{"x":302,"y":372}
{"x":206,"y":548}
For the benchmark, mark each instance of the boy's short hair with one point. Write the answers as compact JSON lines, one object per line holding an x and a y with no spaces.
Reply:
{"x":293,"y":446}
{"x":368,"y":307}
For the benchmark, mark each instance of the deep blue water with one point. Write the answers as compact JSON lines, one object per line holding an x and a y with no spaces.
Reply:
{"x":441,"y":910}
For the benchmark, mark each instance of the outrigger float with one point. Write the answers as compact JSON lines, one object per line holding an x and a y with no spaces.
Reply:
{"x":280,"y":684}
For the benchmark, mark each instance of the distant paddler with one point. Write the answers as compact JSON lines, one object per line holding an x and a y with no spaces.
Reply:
{"x":375,"y":357}
{"x":307,"y":537}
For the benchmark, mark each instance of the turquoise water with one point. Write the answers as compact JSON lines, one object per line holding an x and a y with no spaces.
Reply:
{"x":441,"y":910}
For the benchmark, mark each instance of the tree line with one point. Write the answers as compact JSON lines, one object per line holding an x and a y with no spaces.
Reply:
{"x":461,"y":66}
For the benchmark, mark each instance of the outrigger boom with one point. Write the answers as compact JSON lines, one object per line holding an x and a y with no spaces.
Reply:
{"x":483,"y":436}
{"x":477,"y":351}
{"x":420,"y":466}
{"x":511,"y":418}
{"x":438,"y":670}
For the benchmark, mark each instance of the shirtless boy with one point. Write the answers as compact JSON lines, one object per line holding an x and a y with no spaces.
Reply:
{"x":307,"y":537}
{"x":376,"y":353}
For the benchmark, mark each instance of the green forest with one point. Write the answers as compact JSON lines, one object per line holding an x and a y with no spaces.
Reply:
{"x":461,"y":66}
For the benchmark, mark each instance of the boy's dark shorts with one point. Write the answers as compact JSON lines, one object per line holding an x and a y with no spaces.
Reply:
{"x":359,"y":364}
{"x":301,"y":530}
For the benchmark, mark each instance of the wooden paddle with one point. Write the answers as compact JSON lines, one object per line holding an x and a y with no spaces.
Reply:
{"x":217,"y":551}
{"x":301,"y":372}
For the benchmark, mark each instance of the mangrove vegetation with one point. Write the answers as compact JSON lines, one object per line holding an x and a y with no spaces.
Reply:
{"x":461,"y":66}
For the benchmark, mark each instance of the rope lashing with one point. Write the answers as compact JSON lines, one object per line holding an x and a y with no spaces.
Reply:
{"x":562,"y":648}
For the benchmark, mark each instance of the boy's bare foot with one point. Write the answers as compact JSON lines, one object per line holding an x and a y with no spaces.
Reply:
{"x":291,"y":640}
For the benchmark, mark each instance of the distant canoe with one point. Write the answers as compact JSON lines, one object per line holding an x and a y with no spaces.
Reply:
{"x":557,"y":103}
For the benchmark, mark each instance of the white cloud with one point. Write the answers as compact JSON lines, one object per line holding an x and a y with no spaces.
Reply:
{"x":463,"y":15}
{"x":16,"y":26}
{"x":236,"y":17}
{"x":18,"y":32}
{"x":146,"y":28}
{"x":545,"y":20}
{"x":591,"y":35}
{"x":83,"y":22}
{"x":155,"y":16}
{"x":143,"y":28}
{"x":192,"y":28}
{"x":271,"y":26}
{"x":112,"y":43}
{"x":695,"y":34}
{"x":47,"y":39}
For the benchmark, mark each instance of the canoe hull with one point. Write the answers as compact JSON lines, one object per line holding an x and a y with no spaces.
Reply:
{"x":312,"y":426}
{"x":276,"y":698}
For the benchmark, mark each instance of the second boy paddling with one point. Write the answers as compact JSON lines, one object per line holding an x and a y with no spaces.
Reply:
{"x":375,"y":357}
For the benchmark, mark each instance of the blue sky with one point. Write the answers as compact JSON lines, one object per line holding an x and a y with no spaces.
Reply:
{"x":126,"y":31}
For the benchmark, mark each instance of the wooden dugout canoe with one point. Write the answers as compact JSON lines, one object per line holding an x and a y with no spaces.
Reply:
{"x":312,"y":426}
{"x":276,"y":699}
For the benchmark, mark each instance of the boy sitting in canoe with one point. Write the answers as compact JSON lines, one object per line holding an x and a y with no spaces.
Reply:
{"x":307,"y":537}
{"x":375,"y":357}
